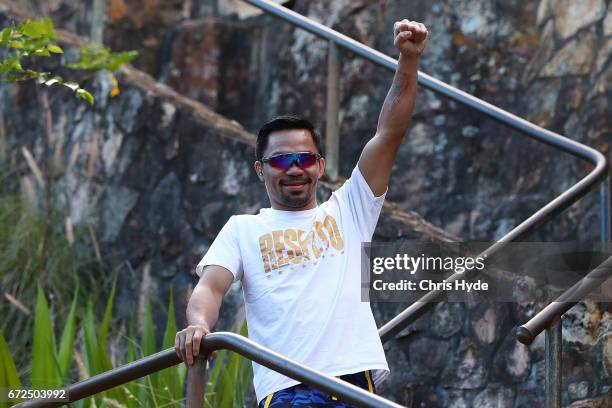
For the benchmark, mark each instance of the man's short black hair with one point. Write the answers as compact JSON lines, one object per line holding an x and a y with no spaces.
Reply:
{"x":284,"y":122}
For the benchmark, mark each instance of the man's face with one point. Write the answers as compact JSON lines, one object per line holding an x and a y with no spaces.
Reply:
{"x":295,"y":188}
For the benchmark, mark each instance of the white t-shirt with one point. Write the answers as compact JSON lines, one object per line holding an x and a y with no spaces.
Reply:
{"x":301,"y":280}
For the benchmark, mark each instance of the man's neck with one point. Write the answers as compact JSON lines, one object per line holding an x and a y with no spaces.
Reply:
{"x":281,"y":207}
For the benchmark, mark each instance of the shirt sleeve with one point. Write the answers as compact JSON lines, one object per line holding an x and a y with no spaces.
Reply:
{"x":356,"y":197}
{"x":224,"y":251}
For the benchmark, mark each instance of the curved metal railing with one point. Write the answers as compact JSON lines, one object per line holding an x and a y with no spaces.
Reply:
{"x":216,"y":341}
{"x":549,"y":320}
{"x":547,"y":316}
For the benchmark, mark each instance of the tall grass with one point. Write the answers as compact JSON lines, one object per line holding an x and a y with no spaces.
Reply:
{"x":229,"y":378}
{"x":22,"y":267}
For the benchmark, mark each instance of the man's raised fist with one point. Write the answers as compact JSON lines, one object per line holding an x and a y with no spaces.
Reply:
{"x":410,"y":37}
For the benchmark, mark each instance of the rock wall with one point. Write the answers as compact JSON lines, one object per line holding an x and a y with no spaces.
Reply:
{"x":157,"y":173}
{"x":547,"y":61}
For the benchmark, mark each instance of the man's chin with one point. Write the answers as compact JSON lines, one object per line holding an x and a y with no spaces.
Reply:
{"x":296,"y":201}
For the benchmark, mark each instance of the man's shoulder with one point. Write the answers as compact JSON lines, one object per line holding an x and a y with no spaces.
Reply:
{"x":238,"y":220}
{"x":244,"y":217}
{"x":356,"y":185}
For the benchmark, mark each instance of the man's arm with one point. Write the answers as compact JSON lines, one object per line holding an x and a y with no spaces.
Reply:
{"x":379,"y":153}
{"x":202,"y":311}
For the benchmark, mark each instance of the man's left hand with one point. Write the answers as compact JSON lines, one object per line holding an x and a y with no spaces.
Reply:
{"x":410,"y":37}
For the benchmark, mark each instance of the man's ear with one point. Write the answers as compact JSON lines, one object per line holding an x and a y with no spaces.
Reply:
{"x":259,"y":170}
{"x":321,"y":167}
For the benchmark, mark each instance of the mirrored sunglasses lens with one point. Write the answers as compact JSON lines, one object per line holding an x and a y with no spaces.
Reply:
{"x":285,"y":161}
{"x":282,"y":161}
{"x":307,"y":159}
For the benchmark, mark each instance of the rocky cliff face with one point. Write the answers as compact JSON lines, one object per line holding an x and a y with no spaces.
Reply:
{"x":546,"y":61}
{"x":157,"y":173}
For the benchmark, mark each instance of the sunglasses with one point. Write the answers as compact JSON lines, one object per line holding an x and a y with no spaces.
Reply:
{"x":284,"y":161}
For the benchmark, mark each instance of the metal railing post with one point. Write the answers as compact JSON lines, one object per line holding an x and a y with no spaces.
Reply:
{"x":332,"y":128}
{"x":554,"y":344}
{"x":196,"y":383}
{"x":604,"y":211}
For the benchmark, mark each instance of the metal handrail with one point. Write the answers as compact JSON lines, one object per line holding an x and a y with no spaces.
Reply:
{"x":554,"y":207}
{"x":530,"y":330}
{"x":549,"y":320}
{"x":217,"y":341}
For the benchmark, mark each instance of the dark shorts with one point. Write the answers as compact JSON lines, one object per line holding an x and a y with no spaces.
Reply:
{"x":302,"y":395}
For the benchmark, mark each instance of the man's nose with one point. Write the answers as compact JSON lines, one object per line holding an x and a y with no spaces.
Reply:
{"x":294,"y":169}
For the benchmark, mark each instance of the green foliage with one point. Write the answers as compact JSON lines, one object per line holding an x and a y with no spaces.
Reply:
{"x":172,"y":378}
{"x":96,"y":355}
{"x":8,"y":373}
{"x":96,"y":57}
{"x":148,"y":347}
{"x":45,"y":368}
{"x":21,"y":266}
{"x":31,"y":39}
{"x":161,"y":389}
{"x":228,"y":383}
{"x":49,"y":365}
{"x":230,"y":376}
{"x":67,"y":340}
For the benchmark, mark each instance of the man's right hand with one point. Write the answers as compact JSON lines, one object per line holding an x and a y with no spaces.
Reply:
{"x":202,"y":309}
{"x":187,"y":342}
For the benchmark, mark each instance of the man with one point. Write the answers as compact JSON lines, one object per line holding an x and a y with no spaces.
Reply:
{"x":299,"y":262}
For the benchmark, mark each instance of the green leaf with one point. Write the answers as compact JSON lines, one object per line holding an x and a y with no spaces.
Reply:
{"x":227,"y":390}
{"x":170,"y":377}
{"x":16,"y":65}
{"x":103,"y":358}
{"x":170,"y":333}
{"x":148,"y":332}
{"x":8,"y":373}
{"x":23,"y":75}
{"x":119,"y":59}
{"x":131,"y":351}
{"x":230,"y":375}
{"x":93,"y":359}
{"x":182,"y":375}
{"x":3,"y":381}
{"x":49,"y":26}
{"x":217,"y":365}
{"x":103,"y":334}
{"x":96,"y":57}
{"x":38,"y":29}
{"x":91,"y":344}
{"x":10,"y":378}
{"x":132,"y":387}
{"x":5,"y":36}
{"x":72,"y":85}
{"x":83,"y":94}
{"x":16,"y":44}
{"x":41,"y":52}
{"x":55,"y":49}
{"x":45,"y":371}
{"x":67,"y":341}
{"x":4,"y":67}
{"x":53,"y":81}
{"x":148,"y":345}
